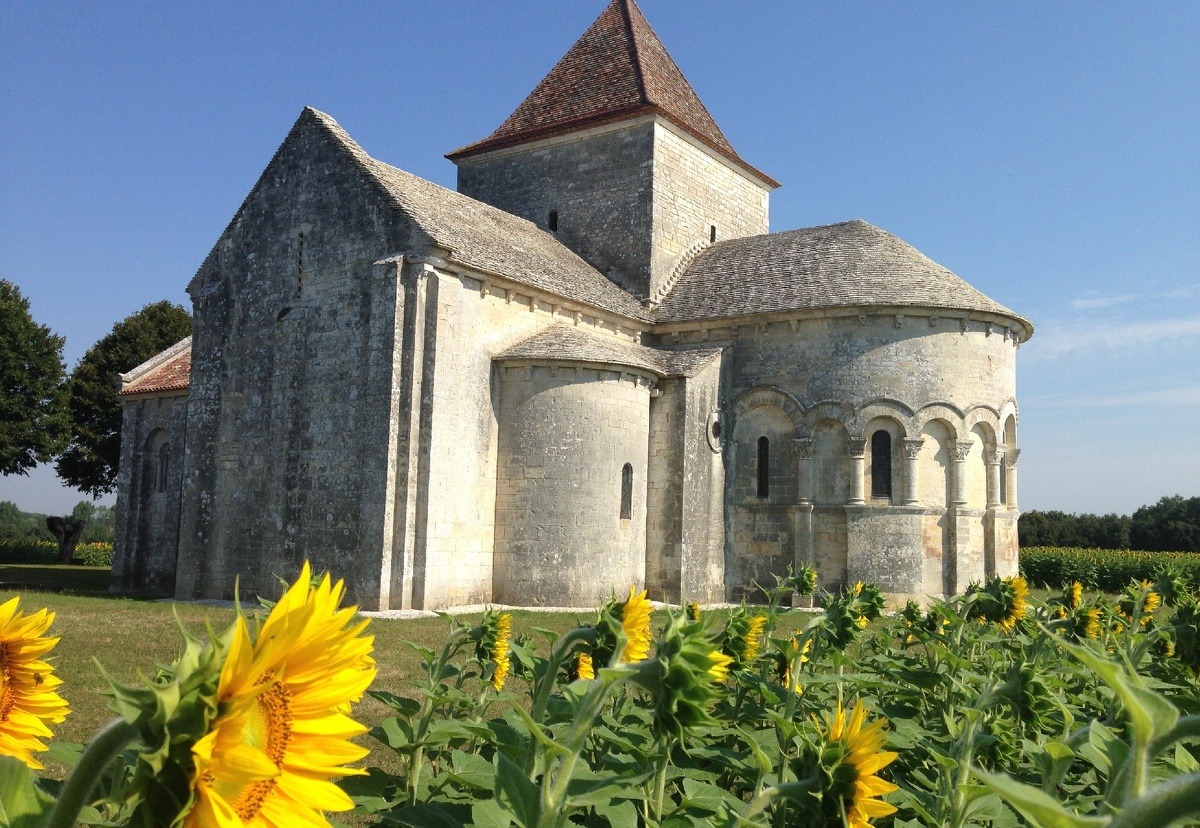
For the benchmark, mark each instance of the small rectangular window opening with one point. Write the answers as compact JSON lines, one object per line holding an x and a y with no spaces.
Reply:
{"x":552,"y":221}
{"x":712,"y":232}
{"x":627,"y":492}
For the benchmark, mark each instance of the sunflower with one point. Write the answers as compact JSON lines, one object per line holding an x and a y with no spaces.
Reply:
{"x":583,"y":668}
{"x":1091,"y":623}
{"x":1016,"y":604}
{"x":750,"y":639}
{"x":718,"y":671}
{"x":693,"y":611}
{"x":281,"y":732}
{"x":1074,"y":594}
{"x":861,"y":759}
{"x":635,"y":621}
{"x":499,"y":651}
{"x":27,"y":697}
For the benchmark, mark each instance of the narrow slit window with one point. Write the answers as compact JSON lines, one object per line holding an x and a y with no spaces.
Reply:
{"x":160,"y":483}
{"x":881,"y":465}
{"x":627,"y":492}
{"x":552,"y":221}
{"x":764,"y":467}
{"x":712,"y":232}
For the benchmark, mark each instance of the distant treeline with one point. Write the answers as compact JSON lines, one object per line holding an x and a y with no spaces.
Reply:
{"x":16,"y":525}
{"x":1171,"y":525}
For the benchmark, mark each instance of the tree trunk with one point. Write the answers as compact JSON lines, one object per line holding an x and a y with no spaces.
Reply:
{"x":67,"y":531}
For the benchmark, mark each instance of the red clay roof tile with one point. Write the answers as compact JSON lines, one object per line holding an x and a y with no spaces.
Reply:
{"x":619,"y":69}
{"x":172,"y":375}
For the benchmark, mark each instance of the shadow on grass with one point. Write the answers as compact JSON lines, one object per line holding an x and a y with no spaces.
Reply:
{"x":63,"y":578}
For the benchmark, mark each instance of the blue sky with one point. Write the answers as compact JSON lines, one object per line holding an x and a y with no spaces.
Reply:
{"x":1049,"y":153}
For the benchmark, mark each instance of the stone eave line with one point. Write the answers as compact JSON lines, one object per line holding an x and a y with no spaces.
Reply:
{"x":508,"y":288}
{"x":179,"y":391}
{"x":1022,"y":329}
{"x":161,"y":358}
{"x":575,"y":362}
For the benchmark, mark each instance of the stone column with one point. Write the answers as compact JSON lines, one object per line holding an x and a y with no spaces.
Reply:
{"x":912,"y":450}
{"x":958,"y":472}
{"x":993,"y":460}
{"x":804,"y":470}
{"x":858,"y":471}
{"x":1011,"y":482}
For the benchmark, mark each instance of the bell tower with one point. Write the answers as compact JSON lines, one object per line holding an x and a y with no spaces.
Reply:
{"x":614,"y":153}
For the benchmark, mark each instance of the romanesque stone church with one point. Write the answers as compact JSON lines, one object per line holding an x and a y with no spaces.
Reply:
{"x":590,"y":366}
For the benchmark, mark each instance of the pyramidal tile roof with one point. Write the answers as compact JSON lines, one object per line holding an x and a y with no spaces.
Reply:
{"x":619,"y":69}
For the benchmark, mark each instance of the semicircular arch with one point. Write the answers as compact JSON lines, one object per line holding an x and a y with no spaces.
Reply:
{"x":884,"y":408}
{"x":769,"y":395}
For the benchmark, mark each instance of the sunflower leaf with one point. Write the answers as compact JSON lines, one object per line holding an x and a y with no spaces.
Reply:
{"x":22,"y":803}
{"x":519,"y":797}
{"x":1036,"y":805}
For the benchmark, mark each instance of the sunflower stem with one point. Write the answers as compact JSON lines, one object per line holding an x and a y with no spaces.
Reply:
{"x":106,"y":746}
{"x":1173,"y":800}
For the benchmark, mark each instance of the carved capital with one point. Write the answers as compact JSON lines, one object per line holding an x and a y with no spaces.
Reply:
{"x":994,"y":458}
{"x":961,"y":449}
{"x":856,"y":446}
{"x":1012,"y":455}
{"x":804,"y":448}
{"x":912,"y":447}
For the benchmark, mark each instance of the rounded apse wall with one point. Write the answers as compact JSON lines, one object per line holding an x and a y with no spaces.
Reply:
{"x":571,"y":483}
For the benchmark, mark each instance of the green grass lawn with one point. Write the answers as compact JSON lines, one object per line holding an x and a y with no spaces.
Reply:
{"x":130,"y":638}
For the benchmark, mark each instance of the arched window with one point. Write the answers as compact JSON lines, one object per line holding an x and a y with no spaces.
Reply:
{"x":627,"y":492}
{"x":764,"y":467}
{"x":160,"y":480}
{"x":552,"y":221}
{"x":881,"y":464}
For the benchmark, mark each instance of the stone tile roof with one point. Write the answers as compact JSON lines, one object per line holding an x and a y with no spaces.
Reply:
{"x":487,"y":238}
{"x":170,"y":370}
{"x":852,"y":264}
{"x":568,"y":343}
{"x":617,"y":70}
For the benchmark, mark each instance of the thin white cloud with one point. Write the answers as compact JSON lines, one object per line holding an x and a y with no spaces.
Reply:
{"x":1095,"y":302}
{"x":1052,"y":342}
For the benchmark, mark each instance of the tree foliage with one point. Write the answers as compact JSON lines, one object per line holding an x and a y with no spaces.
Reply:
{"x":91,"y":459}
{"x":1172,"y":524}
{"x":33,"y":413}
{"x":1084,"y":531}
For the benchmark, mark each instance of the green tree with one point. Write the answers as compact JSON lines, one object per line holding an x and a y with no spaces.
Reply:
{"x":90,"y":460}
{"x":33,"y":412}
{"x":1171,"y":525}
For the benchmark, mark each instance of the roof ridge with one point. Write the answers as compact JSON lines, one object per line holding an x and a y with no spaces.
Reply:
{"x":638,"y":73}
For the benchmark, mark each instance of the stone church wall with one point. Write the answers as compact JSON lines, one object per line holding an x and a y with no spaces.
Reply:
{"x":467,"y":324}
{"x":685,"y":521}
{"x":286,"y":426}
{"x":693,"y":193}
{"x":146,"y":525}
{"x":570,"y":437}
{"x":947,"y":381}
{"x":599,"y":182}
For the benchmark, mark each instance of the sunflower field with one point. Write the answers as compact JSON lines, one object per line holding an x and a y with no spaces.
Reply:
{"x":991,"y":709}
{"x":1108,"y":570}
